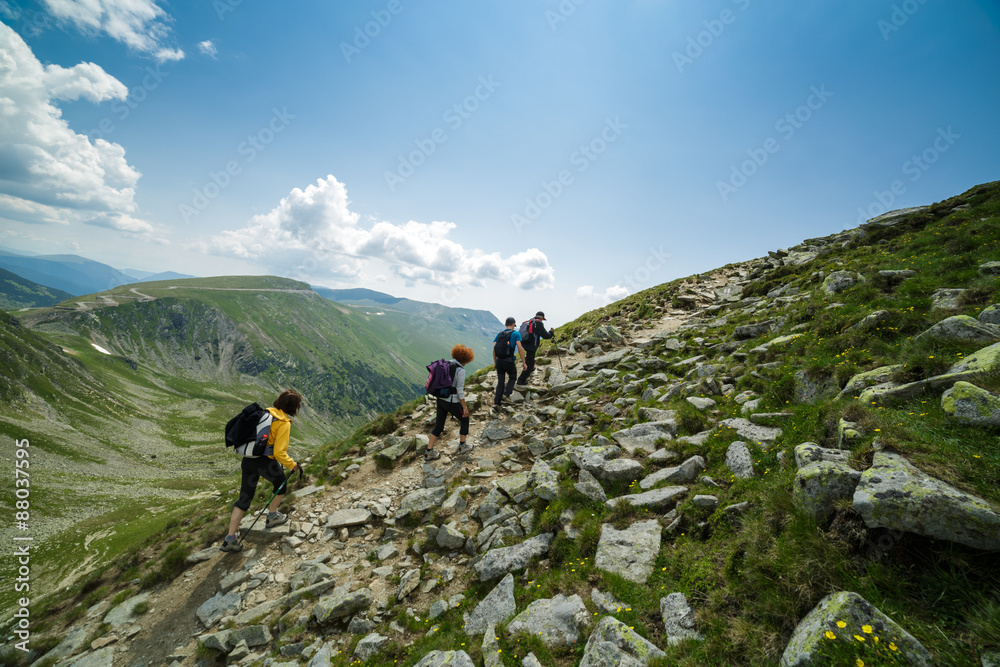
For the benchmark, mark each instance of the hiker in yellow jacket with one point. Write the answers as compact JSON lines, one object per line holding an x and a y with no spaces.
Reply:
{"x":270,"y":466}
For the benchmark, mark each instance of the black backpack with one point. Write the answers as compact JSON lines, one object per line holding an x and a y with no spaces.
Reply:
{"x":249,"y":431}
{"x":502,"y":348}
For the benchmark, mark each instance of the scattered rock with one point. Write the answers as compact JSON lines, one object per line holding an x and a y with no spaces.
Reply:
{"x":657,"y":499}
{"x":629,"y":553}
{"x":590,"y":487}
{"x":838,"y":281}
{"x":495,"y":608}
{"x":341,"y":604}
{"x":421,"y":500}
{"x":761,"y":435}
{"x":614,"y":644}
{"x":739,"y":460}
{"x":348,"y":518}
{"x":408,"y":583}
{"x":217,"y":606}
{"x":369,"y":646}
{"x":446,"y":659}
{"x":556,"y":621}
{"x":498,"y":562}
{"x":124,"y":613}
{"x":963,"y":328}
{"x":852,"y":609}
{"x":968,"y":404}
{"x":646,"y":436}
{"x":818,"y":486}
{"x":685,"y":473}
{"x":678,"y":619}
{"x":894,"y":494}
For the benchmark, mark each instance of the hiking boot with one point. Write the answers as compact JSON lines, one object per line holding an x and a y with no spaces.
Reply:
{"x":496,"y":410}
{"x":464,"y":448}
{"x":522,"y":387}
{"x":275,"y":519}
{"x":231,"y":543}
{"x":432,"y":455}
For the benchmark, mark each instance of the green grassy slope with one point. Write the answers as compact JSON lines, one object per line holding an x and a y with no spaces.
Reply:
{"x":17,"y":292}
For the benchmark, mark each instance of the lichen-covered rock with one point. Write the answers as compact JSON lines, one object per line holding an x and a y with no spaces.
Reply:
{"x":871,"y":321}
{"x":895,"y":494}
{"x":862,"y":381}
{"x":629,"y":553}
{"x":838,"y":281}
{"x":989,"y":269}
{"x":590,"y":487}
{"x":341,"y":603}
{"x":746,"y":429}
{"x":498,"y":562}
{"x":807,"y":641}
{"x":990,"y":315}
{"x":616,"y":470}
{"x":446,"y":659}
{"x":614,"y":644}
{"x":217,"y":606}
{"x":657,"y":499}
{"x":556,"y":621}
{"x":747,"y":331}
{"x":450,"y":537}
{"x":678,"y":619}
{"x":495,"y":608}
{"x":981,"y":362}
{"x":514,"y":485}
{"x":408,"y":583}
{"x":421,"y":500}
{"x":685,"y":473}
{"x":968,"y":404}
{"x":645,"y":436}
{"x":369,"y":646}
{"x":543,"y":480}
{"x":124,"y":613}
{"x":387,"y":457}
{"x":947,"y":298}
{"x":739,"y":460}
{"x":810,"y":452}
{"x":889,"y":393}
{"x":818,"y":486}
{"x":963,"y":328}
{"x":812,"y":386}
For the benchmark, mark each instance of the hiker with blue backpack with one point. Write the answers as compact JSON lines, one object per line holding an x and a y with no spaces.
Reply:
{"x":532,"y":332}
{"x":450,"y":398}
{"x":506,"y":344}
{"x":265,"y":455}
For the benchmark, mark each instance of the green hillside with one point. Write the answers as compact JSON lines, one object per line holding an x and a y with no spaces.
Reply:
{"x":17,"y":292}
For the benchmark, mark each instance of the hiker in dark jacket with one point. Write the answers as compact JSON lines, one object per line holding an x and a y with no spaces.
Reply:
{"x":504,"y":362}
{"x":453,"y":405}
{"x":271,"y":467}
{"x":531,"y":343}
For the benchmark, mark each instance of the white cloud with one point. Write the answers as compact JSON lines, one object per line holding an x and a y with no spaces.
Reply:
{"x":48,"y":172}
{"x":612,"y":293}
{"x":208,"y":48}
{"x":139,"y":24}
{"x":312,"y":233}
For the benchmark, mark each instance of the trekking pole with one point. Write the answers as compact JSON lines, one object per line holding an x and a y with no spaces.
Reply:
{"x":268,"y":503}
{"x":558,"y":354}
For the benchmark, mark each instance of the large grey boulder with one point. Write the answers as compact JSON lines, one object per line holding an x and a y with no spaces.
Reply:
{"x":100,"y":658}
{"x":810,"y":635}
{"x":747,"y":331}
{"x":812,"y":386}
{"x":543,"y":481}
{"x":746,"y":429}
{"x":890,"y":393}
{"x":968,"y":404}
{"x":948,"y":298}
{"x":810,"y":452}
{"x":590,"y":487}
{"x":124,"y":613}
{"x":963,"y":328}
{"x":604,"y":360}
{"x":421,"y":500}
{"x":678,"y":619}
{"x":862,"y":381}
{"x":838,"y":281}
{"x":349,"y":518}
{"x":556,"y":621}
{"x":341,"y":603}
{"x":657,"y":499}
{"x":614,"y":644}
{"x":739,"y":460}
{"x":450,"y":537}
{"x":217,"y":606}
{"x":251,"y":615}
{"x":75,"y":639}
{"x":369,"y":646}
{"x":496,"y":431}
{"x":408,"y":583}
{"x":387,"y":457}
{"x":818,"y":486}
{"x":446,"y":659}
{"x":514,"y":485}
{"x":685,"y":473}
{"x":617,"y":470}
{"x":495,"y":608}
{"x":895,"y":494}
{"x":498,"y":562}
{"x":984,"y":361}
{"x":645,"y":436}
{"x":990,"y":315}
{"x":629,"y":553}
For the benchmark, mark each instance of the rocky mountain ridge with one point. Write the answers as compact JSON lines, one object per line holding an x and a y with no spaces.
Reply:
{"x":720,"y":470}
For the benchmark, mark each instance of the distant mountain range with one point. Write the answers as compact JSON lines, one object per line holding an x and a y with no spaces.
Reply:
{"x":74,"y":274}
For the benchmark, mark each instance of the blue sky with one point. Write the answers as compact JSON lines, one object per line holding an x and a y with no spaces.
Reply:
{"x":505,"y":156}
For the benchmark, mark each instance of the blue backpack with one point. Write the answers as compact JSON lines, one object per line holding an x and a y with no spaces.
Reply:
{"x":441,"y":375}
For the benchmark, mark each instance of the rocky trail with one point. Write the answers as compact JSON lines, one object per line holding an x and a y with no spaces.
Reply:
{"x":401,"y":534}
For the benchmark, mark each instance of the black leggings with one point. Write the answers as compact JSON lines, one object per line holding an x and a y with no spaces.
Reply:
{"x":253,"y":470}
{"x":445,"y":408}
